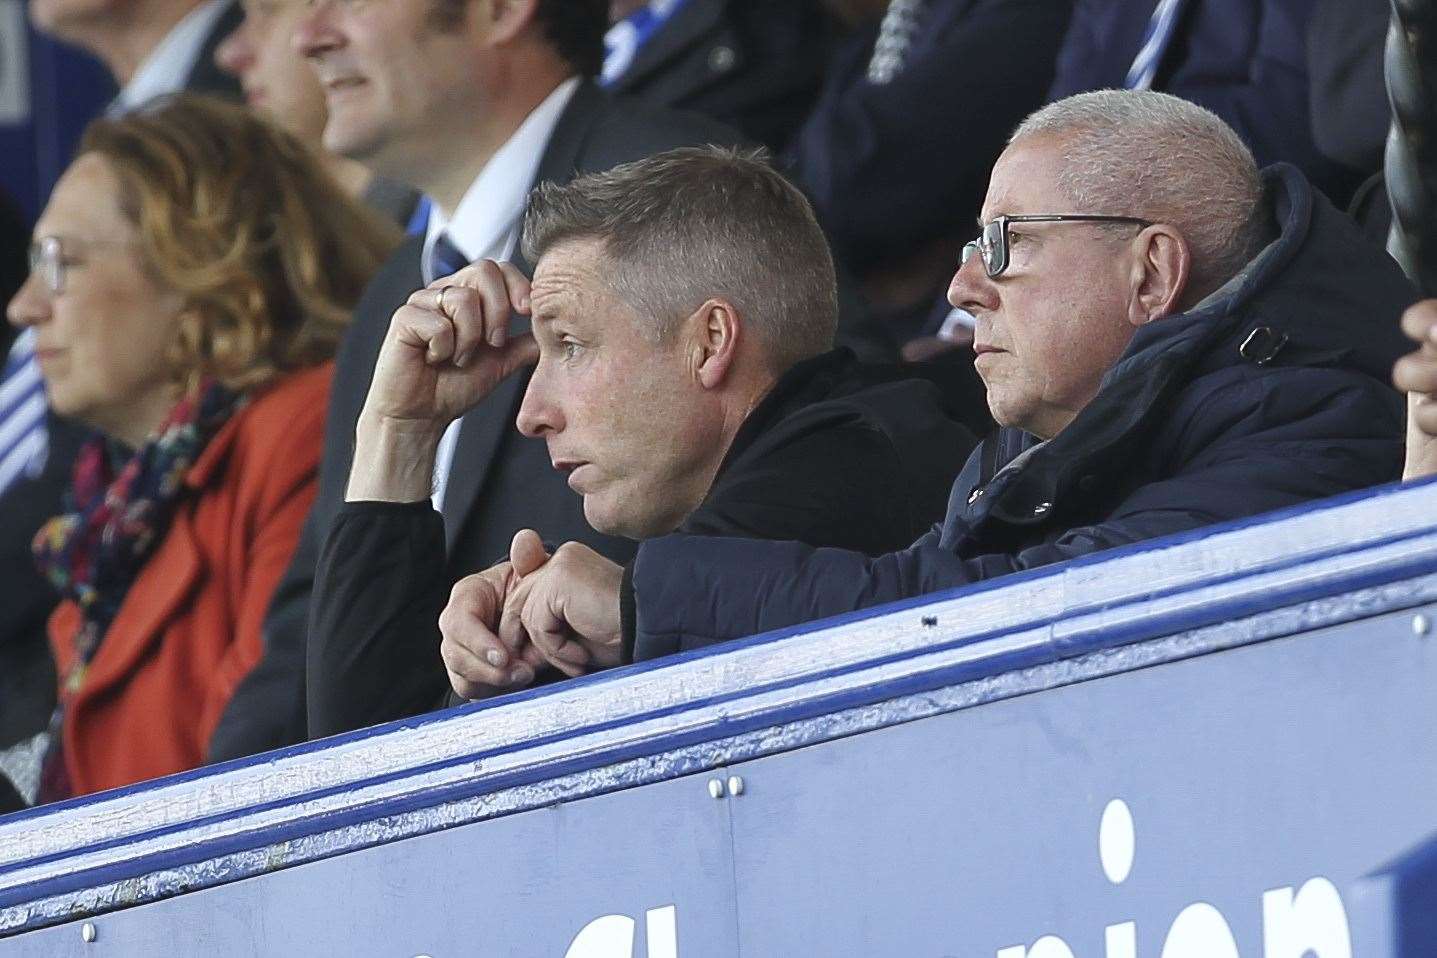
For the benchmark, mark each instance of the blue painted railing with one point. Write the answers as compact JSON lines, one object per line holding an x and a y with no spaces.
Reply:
{"x":1250,"y":707}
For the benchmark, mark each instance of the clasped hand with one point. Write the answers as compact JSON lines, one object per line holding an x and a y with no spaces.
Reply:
{"x":504,"y":625}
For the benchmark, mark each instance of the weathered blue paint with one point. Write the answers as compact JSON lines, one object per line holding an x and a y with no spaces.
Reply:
{"x":1160,"y":602}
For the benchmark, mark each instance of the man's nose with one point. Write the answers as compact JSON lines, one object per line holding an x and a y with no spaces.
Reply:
{"x":315,"y":33}
{"x":235,"y":54}
{"x":971,"y":289}
{"x":30,"y":304}
{"x":538,"y":415}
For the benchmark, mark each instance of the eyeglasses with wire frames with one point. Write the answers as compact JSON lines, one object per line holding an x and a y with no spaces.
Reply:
{"x":992,"y":242}
{"x":50,"y":258}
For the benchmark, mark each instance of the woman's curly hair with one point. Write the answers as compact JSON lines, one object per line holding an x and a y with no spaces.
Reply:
{"x":237,"y":216}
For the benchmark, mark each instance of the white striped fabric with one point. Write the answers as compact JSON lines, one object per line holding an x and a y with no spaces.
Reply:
{"x":23,"y":440}
{"x":895,"y":35}
{"x":1159,"y":34}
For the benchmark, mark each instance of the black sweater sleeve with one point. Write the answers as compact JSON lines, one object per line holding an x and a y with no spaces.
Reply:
{"x":373,"y":651}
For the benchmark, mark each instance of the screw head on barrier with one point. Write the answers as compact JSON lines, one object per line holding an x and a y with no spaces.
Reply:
{"x":88,"y":933}
{"x":1421,"y":625}
{"x":735,"y":785}
{"x":715,"y":788}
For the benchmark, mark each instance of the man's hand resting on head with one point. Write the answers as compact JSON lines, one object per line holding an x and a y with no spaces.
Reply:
{"x":479,"y":663}
{"x":567,"y":608}
{"x":1416,"y":375}
{"x":445,"y":351}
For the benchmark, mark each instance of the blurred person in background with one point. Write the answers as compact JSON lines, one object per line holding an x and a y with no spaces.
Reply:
{"x":755,"y":65}
{"x":191,"y":277}
{"x":27,"y":671}
{"x":278,"y":82}
{"x":1348,"y":99}
{"x":917,"y":104}
{"x":1245,"y":60}
{"x":150,"y":47}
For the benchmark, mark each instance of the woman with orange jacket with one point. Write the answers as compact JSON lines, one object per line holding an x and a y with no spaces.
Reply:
{"x":191,"y":278}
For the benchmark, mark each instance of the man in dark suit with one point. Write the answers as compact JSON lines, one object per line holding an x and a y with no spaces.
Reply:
{"x":684,"y":308}
{"x":471,"y":102}
{"x":150,"y":47}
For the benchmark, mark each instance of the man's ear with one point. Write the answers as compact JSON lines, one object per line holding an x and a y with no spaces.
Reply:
{"x":508,"y":19}
{"x":1161,"y":272}
{"x":714,"y":331}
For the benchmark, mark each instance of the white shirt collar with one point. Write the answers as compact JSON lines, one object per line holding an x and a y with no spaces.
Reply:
{"x":485,"y":225}
{"x":167,"y":67}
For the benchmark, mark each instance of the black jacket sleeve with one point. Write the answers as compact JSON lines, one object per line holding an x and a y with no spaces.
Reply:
{"x":374,"y":617}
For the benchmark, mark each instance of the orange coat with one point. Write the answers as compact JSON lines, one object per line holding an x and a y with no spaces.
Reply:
{"x":189,"y":629}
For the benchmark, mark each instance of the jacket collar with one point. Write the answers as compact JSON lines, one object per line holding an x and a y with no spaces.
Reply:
{"x":211,"y":460}
{"x":795,"y":388}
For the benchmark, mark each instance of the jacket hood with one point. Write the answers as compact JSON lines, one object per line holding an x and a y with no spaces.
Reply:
{"x":1327,"y":292}
{"x":1319,"y":294}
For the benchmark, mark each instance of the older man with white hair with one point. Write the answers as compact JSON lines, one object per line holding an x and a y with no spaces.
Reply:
{"x":1169,"y":338}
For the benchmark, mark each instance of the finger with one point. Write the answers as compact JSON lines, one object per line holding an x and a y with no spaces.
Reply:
{"x":472,"y":321}
{"x":560,"y":656}
{"x":511,"y":617}
{"x":488,"y":294}
{"x":520,"y":351}
{"x":533,"y":658}
{"x":469,"y":617}
{"x":1419,"y":322}
{"x":1424,"y":417}
{"x":1415,"y":373}
{"x":426,"y":330}
{"x":527,"y":552}
{"x":518,"y":285}
{"x":551,"y":635}
{"x":488,"y":281}
{"x":470,"y":674}
{"x":466,"y":307}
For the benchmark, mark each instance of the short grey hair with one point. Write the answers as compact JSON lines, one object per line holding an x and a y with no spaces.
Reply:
{"x":698,"y":223}
{"x":1161,"y":158}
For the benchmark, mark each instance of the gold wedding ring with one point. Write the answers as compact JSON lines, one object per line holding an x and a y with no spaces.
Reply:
{"x":442,"y":291}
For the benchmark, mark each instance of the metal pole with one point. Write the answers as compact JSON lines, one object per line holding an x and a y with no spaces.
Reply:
{"x":1410,"y":165}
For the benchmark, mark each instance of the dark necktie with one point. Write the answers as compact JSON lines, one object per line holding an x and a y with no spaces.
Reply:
{"x":446,"y":259}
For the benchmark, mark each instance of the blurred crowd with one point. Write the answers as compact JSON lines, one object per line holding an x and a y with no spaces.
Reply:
{"x":375,"y":356}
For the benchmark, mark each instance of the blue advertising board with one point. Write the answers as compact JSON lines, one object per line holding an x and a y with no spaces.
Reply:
{"x":1213,"y":746}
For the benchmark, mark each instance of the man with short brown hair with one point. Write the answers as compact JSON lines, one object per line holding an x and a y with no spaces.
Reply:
{"x":683,"y":311}
{"x":471,"y":102}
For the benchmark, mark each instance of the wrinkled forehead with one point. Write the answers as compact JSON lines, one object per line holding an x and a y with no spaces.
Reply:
{"x":1025,"y":180}
{"x":268,"y":16}
{"x":569,"y":281}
